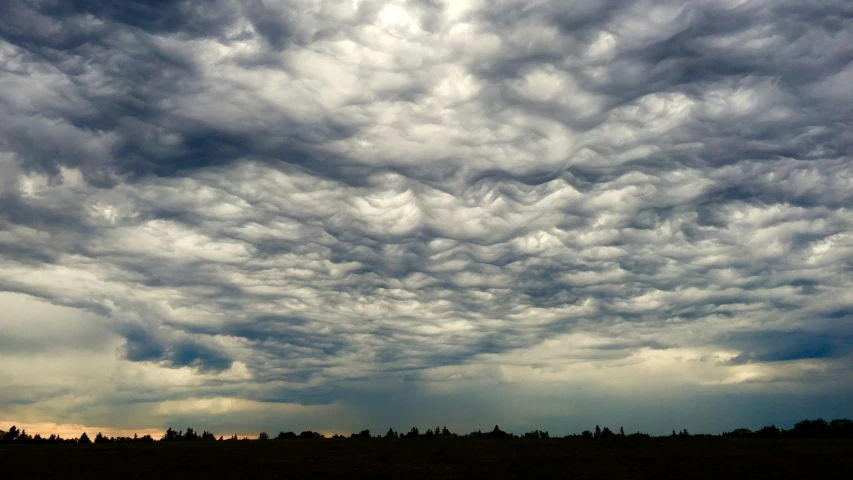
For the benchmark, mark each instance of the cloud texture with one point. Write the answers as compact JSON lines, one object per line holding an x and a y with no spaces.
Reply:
{"x":360,"y":212}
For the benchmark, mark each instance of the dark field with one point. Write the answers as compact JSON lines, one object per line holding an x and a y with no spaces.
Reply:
{"x":437,"y":459}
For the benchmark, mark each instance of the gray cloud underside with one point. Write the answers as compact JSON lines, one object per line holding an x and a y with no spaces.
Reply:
{"x":327,"y":194}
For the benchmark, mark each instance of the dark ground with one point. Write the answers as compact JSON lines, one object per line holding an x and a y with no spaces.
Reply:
{"x":437,"y":459}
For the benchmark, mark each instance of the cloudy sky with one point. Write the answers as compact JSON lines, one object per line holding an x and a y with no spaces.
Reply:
{"x":281,"y":215}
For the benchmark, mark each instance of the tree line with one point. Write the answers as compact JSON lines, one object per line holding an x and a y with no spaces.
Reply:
{"x":21,"y":436}
{"x":820,"y":428}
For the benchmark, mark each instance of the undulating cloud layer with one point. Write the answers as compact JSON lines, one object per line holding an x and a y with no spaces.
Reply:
{"x":245,"y":215}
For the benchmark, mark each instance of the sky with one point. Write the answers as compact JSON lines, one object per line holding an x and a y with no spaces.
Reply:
{"x":261,"y":215}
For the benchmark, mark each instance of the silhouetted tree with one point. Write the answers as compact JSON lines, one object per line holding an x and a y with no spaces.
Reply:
{"x":310,"y":434}
{"x":842,"y":428}
{"x":621,"y":432}
{"x":811,"y":428}
{"x":768,"y":432}
{"x":263,"y":436}
{"x":597,"y":433}
{"x":429,"y":433}
{"x":607,"y":433}
{"x":84,"y":439}
{"x":497,"y":433}
{"x":11,"y":435}
{"x":191,"y":435}
{"x":587,"y":434}
{"x":391,"y":433}
{"x":536,"y":434}
{"x":413,"y":433}
{"x":171,"y":436}
{"x":23,"y":437}
{"x":445,"y":432}
{"x":285,"y":435}
{"x":101,"y":439}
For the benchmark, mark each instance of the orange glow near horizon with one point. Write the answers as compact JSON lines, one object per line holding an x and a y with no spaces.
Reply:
{"x":70,"y":430}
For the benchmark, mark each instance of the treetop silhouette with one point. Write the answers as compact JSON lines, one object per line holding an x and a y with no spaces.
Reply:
{"x":819,"y":428}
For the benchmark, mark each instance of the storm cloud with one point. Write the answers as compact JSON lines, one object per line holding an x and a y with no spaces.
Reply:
{"x":355,"y":213}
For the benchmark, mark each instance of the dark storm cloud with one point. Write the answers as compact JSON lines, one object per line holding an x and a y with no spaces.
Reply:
{"x":118,"y":68}
{"x":193,"y":18}
{"x":293,"y":197}
{"x":144,"y":346}
{"x":690,"y":48}
{"x":780,"y":346}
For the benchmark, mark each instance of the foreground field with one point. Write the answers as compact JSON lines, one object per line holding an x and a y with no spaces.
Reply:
{"x":436,"y":459}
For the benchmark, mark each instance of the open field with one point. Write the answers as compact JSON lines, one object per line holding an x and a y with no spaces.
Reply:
{"x":437,"y":458}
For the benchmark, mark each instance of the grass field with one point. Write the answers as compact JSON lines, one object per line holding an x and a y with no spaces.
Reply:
{"x":436,"y":459}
